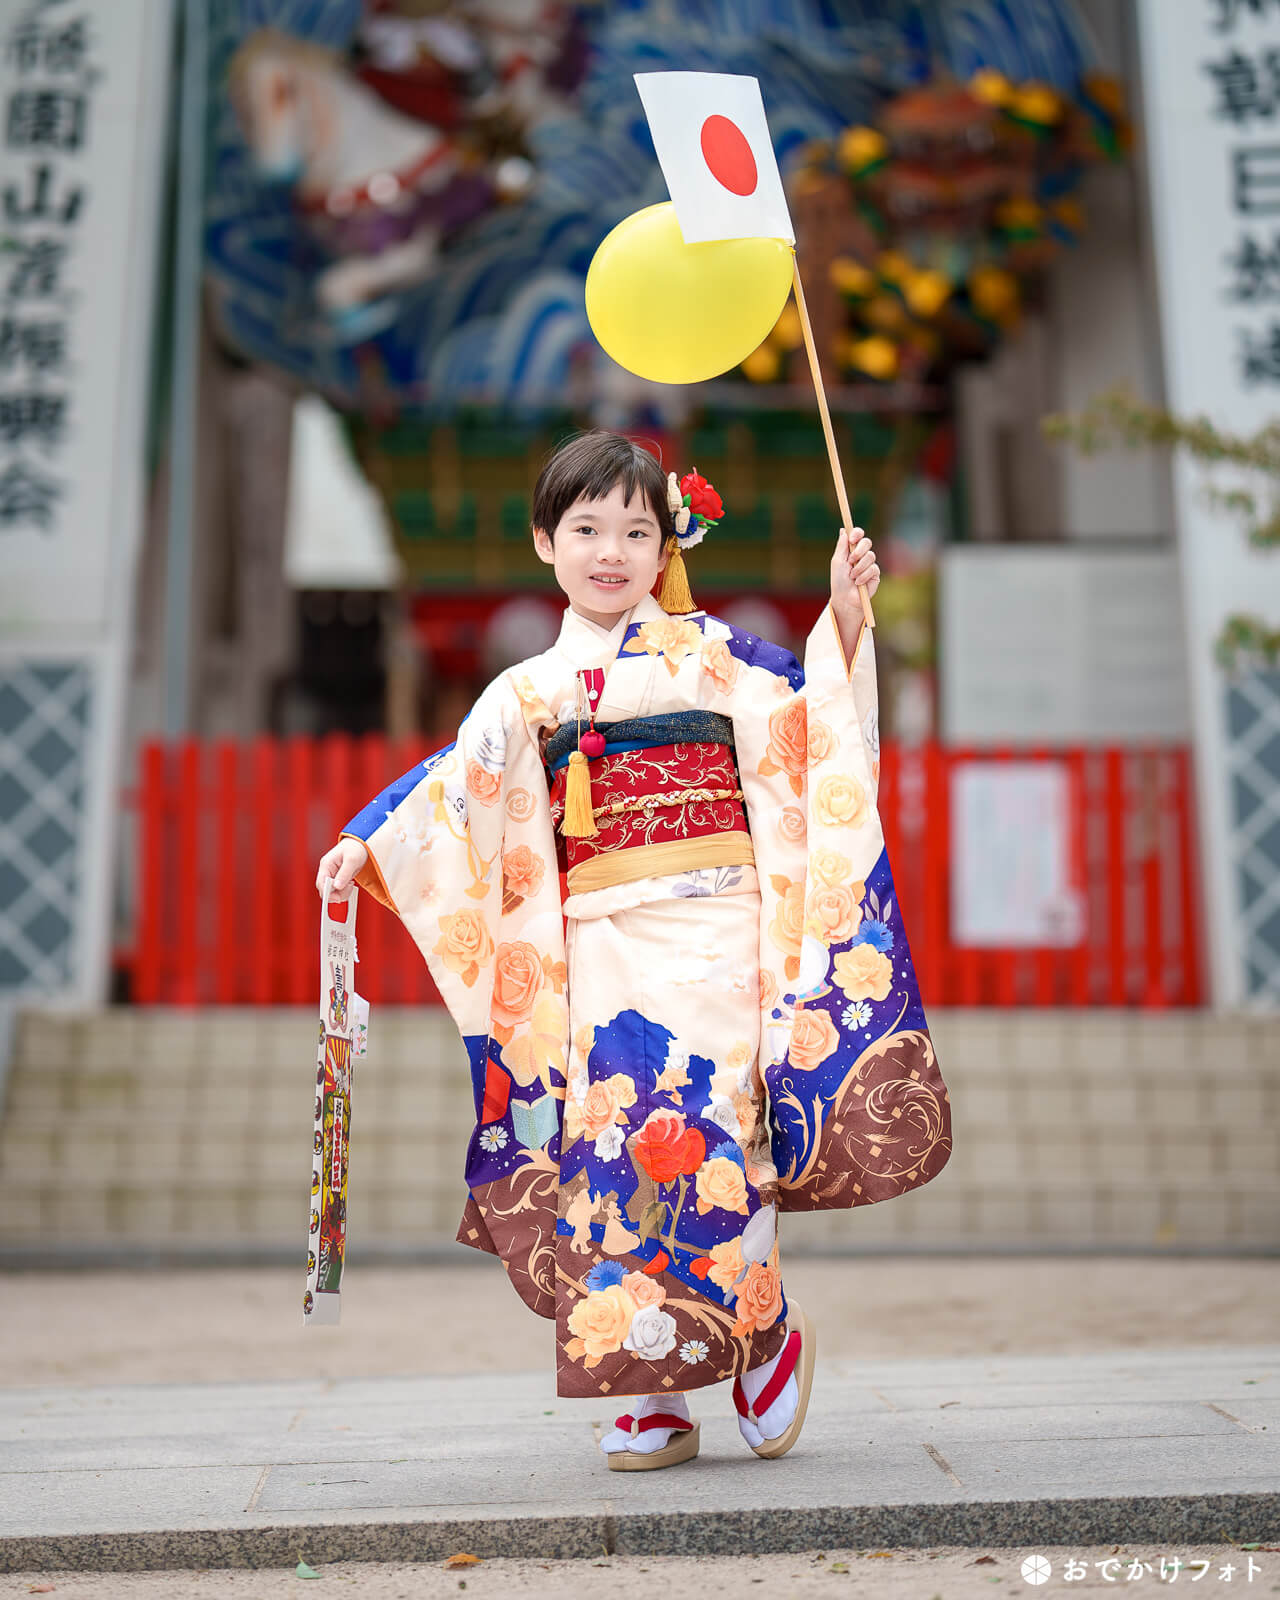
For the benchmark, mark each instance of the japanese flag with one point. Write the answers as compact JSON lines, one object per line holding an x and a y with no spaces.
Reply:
{"x":713,"y":143}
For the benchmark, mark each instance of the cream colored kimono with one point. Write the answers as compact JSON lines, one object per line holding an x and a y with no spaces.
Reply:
{"x":689,"y":1036}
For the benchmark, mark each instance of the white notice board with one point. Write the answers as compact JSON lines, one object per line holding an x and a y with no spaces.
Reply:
{"x":1012,"y":877}
{"x":1061,"y":644}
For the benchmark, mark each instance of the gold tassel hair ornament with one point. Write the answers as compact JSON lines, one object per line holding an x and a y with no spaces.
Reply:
{"x":674,"y":596}
{"x":691,"y":523}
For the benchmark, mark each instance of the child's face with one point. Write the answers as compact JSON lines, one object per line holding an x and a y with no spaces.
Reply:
{"x":597,"y":540}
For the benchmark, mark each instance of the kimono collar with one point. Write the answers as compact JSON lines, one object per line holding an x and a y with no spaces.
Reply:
{"x":585,"y":643}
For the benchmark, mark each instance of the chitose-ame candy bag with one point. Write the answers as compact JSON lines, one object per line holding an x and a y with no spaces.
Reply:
{"x":344,"y":1033}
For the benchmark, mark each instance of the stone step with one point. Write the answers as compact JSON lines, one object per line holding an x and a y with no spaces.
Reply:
{"x":1239,"y":1214}
{"x":1085,"y":1129}
{"x":220,"y":1214}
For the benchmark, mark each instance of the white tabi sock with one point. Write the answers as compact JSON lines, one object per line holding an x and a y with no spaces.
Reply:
{"x":652,"y":1438}
{"x":777,"y":1419}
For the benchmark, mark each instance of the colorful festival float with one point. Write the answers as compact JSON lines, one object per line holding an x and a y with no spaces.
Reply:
{"x":404,"y":201}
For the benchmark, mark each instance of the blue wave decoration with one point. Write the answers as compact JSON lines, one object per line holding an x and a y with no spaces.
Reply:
{"x":501,"y":317}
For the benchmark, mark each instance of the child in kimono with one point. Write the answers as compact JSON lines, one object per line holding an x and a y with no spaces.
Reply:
{"x":649,"y":880}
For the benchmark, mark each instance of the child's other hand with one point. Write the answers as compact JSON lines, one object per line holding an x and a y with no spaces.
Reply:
{"x":341,"y":864}
{"x":853,"y":563}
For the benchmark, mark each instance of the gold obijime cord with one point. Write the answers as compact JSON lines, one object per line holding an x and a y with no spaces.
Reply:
{"x":649,"y":802}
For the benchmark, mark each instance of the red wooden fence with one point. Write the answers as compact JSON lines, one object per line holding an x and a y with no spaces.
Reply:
{"x":229,"y":836}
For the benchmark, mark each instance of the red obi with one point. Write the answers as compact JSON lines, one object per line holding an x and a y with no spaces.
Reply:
{"x":658,"y":810}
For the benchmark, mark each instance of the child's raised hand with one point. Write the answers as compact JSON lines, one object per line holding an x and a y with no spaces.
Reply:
{"x":853,"y":563}
{"x":341,"y":864}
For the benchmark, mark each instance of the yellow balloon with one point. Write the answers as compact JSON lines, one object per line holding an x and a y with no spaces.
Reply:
{"x":679,"y":313}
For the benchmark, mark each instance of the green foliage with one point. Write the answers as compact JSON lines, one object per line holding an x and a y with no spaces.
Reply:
{"x":1117,"y":418}
{"x":1246,"y":640}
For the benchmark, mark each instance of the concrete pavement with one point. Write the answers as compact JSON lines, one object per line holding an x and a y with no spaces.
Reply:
{"x":1179,"y":1445}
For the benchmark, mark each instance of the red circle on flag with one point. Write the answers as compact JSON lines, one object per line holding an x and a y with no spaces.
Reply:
{"x":727,"y":152}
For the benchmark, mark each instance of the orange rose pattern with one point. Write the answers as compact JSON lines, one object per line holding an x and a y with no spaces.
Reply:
{"x":517,"y":977}
{"x":464,"y":944}
{"x":601,"y":1320}
{"x":813,"y":1039}
{"x":791,"y":825}
{"x":759,"y":1302}
{"x":644,"y":1291}
{"x":726,"y":1264}
{"x":520,"y":804}
{"x":788,"y":747}
{"x":606,"y":1102}
{"x":829,"y":867}
{"x":486,"y":786}
{"x":864,"y":973}
{"x":840,"y":801}
{"x":719,"y":665}
{"x":787,"y":928}
{"x":832,"y":915}
{"x":721,"y":1182}
{"x":822,"y":741}
{"x":523,"y":870}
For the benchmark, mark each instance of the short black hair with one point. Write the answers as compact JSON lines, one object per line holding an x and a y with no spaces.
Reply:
{"x":588,"y":466}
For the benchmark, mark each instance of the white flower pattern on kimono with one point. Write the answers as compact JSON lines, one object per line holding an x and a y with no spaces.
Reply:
{"x":493,"y":1138}
{"x":608,"y":1145}
{"x":693,"y":1350}
{"x":652,"y":1333}
{"x":856,"y":1016}
{"x":675,"y":1072}
{"x":721,"y":1112}
{"x":871,"y":730}
{"x":491,"y":748}
{"x":706,"y":880}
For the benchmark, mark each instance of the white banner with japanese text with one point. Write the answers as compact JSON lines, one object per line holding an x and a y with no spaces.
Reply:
{"x":1211,"y":95}
{"x":84,"y":106}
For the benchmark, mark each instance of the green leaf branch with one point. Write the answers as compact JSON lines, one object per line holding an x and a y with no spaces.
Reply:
{"x":1118,"y":419}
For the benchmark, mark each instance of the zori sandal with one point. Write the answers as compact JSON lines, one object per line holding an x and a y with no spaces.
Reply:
{"x":797,"y":1357}
{"x":681,"y":1446}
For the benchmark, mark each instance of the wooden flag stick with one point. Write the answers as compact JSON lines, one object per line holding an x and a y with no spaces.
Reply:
{"x":841,"y":493}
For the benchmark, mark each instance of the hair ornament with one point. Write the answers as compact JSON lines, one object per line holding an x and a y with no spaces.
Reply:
{"x":695,"y":506}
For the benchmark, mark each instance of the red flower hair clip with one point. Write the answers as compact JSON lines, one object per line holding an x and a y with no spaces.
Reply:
{"x":695,"y":506}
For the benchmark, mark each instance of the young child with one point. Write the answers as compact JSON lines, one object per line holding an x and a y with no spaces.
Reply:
{"x":725,"y":945}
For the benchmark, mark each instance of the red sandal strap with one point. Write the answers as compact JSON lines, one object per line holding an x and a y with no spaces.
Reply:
{"x":776,"y":1384}
{"x":655,"y":1419}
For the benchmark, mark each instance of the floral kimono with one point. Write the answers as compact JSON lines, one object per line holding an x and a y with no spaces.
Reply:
{"x":701,"y":1015}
